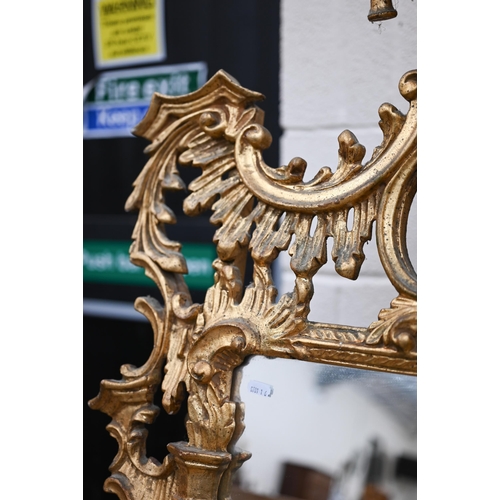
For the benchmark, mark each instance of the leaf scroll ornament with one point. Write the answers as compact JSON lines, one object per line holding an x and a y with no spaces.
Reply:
{"x":397,"y":326}
{"x":259,"y":211}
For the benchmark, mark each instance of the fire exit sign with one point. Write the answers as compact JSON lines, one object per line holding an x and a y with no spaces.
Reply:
{"x":116,"y":101}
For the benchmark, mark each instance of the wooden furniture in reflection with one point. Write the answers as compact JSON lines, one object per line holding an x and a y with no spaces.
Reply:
{"x":306,"y":483}
{"x":259,"y":211}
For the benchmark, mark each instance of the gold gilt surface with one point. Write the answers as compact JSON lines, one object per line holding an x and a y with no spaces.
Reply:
{"x":259,"y":212}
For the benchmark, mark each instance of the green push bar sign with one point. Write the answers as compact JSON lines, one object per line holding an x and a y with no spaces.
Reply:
{"x":109,"y":262}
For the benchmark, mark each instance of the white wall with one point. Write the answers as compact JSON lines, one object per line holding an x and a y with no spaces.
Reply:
{"x":336,"y":70}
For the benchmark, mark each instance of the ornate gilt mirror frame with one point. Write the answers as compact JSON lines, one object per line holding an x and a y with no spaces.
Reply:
{"x":260,"y":211}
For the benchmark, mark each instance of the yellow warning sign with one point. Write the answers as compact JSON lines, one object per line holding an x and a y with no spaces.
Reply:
{"x":128,"y":32}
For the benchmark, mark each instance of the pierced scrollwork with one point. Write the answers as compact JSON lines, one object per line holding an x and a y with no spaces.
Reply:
{"x":259,"y":211}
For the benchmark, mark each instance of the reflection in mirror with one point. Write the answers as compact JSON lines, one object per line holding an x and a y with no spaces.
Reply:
{"x":326,"y":432}
{"x":412,"y":233}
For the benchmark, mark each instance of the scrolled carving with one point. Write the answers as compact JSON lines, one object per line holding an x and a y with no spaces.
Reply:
{"x":397,"y":326}
{"x":130,"y":404}
{"x":259,"y":211}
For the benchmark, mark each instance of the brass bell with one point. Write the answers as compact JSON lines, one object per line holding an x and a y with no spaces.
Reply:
{"x":381,"y":10}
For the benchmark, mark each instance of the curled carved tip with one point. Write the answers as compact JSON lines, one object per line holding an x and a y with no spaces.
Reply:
{"x":183,"y":308}
{"x":349,"y":267}
{"x":297,"y":167}
{"x":408,"y":85}
{"x":406,"y":342}
{"x":347,"y":139}
{"x":207,"y":119}
{"x":202,"y":370}
{"x":350,"y":150}
{"x":173,"y":182}
{"x":212,"y":123}
{"x":258,"y":136}
{"x":131,"y":203}
{"x":292,"y":173}
{"x":388,"y":112}
{"x":238,"y":343}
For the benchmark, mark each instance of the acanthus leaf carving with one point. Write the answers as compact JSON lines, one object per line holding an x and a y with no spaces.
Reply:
{"x":260,"y":211}
{"x":396,"y":326}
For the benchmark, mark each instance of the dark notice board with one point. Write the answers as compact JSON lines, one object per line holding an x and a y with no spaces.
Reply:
{"x":243,"y":39}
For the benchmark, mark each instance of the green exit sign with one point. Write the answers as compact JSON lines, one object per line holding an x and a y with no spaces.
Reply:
{"x":109,"y":262}
{"x":116,"y":101}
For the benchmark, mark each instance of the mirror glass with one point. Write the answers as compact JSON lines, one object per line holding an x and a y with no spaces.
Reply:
{"x":326,"y":432}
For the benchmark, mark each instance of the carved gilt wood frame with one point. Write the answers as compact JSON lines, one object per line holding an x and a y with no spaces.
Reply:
{"x":260,"y":211}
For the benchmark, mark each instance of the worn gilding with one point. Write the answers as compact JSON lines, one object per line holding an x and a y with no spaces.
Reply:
{"x":259,"y":212}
